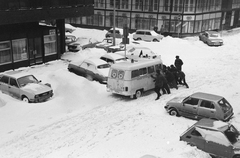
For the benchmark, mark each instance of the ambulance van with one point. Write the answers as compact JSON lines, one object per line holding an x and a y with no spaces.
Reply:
{"x":132,"y":78}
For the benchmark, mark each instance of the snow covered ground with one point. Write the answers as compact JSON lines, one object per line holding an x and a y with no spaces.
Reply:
{"x":83,"y":120}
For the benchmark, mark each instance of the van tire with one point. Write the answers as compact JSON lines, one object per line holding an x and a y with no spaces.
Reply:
{"x":138,"y":94}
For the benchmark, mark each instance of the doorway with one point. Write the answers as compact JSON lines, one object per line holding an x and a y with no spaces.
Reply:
{"x":35,"y":50}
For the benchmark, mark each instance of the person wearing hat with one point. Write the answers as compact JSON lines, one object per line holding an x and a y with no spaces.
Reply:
{"x":178,"y":63}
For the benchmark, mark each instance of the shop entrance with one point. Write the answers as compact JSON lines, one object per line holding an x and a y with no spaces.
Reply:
{"x":35,"y":50}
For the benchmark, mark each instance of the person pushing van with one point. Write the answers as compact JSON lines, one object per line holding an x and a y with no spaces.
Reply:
{"x":158,"y":83}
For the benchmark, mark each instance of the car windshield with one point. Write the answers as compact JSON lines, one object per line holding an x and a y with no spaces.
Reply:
{"x":223,"y":103}
{"x":27,"y":79}
{"x":103,"y":66}
{"x":232,"y":134}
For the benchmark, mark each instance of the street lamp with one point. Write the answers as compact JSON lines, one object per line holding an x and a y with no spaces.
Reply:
{"x":114,"y":10}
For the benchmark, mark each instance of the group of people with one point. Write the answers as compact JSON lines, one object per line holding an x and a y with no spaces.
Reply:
{"x":169,"y":77}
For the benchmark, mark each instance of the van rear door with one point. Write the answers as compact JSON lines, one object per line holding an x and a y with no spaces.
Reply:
{"x":115,"y":81}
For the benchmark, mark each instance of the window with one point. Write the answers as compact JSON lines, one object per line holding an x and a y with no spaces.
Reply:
{"x":207,"y":104}
{"x":13,"y":82}
{"x":225,"y":106}
{"x":50,"y":44}
{"x":120,"y":74}
{"x":143,"y":71}
{"x":150,"y":69}
{"x":4,"y":79}
{"x":192,"y":101}
{"x":5,"y":52}
{"x":19,"y":48}
{"x":114,"y":73}
{"x":135,"y":73}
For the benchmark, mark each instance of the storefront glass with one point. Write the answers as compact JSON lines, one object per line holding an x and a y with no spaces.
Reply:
{"x":19,"y":47}
{"x":50,"y":44}
{"x":5,"y":52}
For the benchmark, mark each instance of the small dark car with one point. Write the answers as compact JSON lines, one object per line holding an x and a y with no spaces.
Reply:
{"x":219,"y":139}
{"x":200,"y":105}
{"x":118,"y":33}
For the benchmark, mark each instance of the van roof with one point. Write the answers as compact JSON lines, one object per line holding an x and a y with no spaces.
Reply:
{"x":136,"y":64}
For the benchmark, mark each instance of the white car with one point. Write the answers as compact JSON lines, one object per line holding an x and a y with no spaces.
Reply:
{"x":25,"y":86}
{"x":91,"y":68}
{"x":138,"y":53}
{"x":147,"y":35}
{"x":112,"y":58}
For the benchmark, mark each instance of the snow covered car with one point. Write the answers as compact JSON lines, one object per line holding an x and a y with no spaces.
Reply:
{"x":112,"y":58}
{"x":81,"y":43}
{"x":200,"y":105}
{"x":219,"y":139}
{"x":25,"y":87}
{"x":138,"y":52}
{"x":91,"y":68}
{"x":211,"y":38}
{"x":118,"y":33}
{"x":147,"y":35}
{"x":108,"y":42}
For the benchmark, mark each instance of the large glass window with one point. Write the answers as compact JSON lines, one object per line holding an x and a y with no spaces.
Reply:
{"x":5,"y":52}
{"x":50,"y":44}
{"x":19,"y":48}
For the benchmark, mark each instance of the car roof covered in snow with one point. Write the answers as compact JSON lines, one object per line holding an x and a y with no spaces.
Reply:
{"x":17,"y":74}
{"x":207,"y":96}
{"x":212,"y":124}
{"x":112,"y":56}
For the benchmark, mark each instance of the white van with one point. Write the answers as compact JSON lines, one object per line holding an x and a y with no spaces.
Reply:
{"x":132,"y":78}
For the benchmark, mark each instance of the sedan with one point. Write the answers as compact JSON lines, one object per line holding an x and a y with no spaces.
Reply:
{"x":25,"y":86}
{"x":211,"y":38}
{"x":112,"y":58}
{"x":200,"y":105}
{"x":91,"y":68}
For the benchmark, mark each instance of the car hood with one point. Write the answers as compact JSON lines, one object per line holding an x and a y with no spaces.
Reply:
{"x":36,"y":88}
{"x":104,"y":72}
{"x":176,"y":100}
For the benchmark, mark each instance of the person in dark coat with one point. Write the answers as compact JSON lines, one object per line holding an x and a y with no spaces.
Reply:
{"x":158,"y":83}
{"x":182,"y":78}
{"x":170,"y":78}
{"x":173,"y":70}
{"x":178,"y":63}
{"x":165,"y":87}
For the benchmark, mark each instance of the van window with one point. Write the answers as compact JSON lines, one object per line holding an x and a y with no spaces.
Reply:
{"x":158,"y":67}
{"x":142,"y":71}
{"x":117,"y":74}
{"x":135,"y":73}
{"x":114,"y":73}
{"x":150,"y":69}
{"x":120,"y":74}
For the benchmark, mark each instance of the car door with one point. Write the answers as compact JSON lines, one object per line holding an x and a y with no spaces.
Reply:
{"x":4,"y":80}
{"x":148,"y":36}
{"x":14,"y":88}
{"x":190,"y":107}
{"x":206,"y":109}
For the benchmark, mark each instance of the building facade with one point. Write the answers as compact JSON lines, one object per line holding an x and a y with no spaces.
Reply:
{"x":176,"y":17}
{"x":24,"y":41}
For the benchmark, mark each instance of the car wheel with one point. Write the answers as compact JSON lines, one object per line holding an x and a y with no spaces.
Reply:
{"x":25,"y":99}
{"x":173,"y":112}
{"x":89,"y":77}
{"x":138,"y":94}
{"x":155,"y":40}
{"x":139,"y":39}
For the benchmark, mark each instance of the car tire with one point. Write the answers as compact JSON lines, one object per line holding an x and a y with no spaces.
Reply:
{"x":138,"y":39}
{"x":155,"y":40}
{"x":138,"y":94}
{"x":25,"y":99}
{"x":173,"y":112}
{"x":89,"y":77}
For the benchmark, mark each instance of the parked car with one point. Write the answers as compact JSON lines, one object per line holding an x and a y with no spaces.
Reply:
{"x":81,"y":43}
{"x":219,"y":139}
{"x":25,"y":86}
{"x":211,"y":38}
{"x":147,"y":35}
{"x":91,"y":68}
{"x":118,"y":33}
{"x":112,"y":58}
{"x":69,"y":38}
{"x":138,"y":52}
{"x":200,"y":105}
